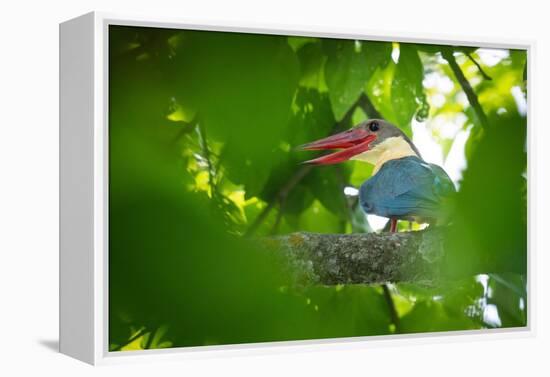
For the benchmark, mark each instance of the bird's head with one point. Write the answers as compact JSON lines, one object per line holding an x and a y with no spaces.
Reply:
{"x":367,"y":141}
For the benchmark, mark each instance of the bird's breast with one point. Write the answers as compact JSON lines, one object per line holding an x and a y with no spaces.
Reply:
{"x":392,"y":148}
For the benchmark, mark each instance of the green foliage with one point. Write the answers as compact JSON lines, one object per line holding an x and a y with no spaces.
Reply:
{"x":349,"y":67}
{"x":202,"y":133}
{"x":241,"y":86}
{"x":324,"y":183}
{"x":407,"y":90}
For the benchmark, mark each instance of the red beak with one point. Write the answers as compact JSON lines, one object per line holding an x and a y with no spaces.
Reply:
{"x":352,"y":142}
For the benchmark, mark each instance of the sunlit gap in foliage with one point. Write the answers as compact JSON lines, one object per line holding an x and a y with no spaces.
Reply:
{"x":431,"y":150}
{"x":376,"y":222}
{"x":491,"y":56}
{"x":351,"y":191}
{"x":521,"y":101}
{"x":489,"y":311}
{"x":395,"y":52}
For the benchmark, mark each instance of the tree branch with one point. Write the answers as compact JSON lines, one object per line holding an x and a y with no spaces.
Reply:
{"x":369,"y":258}
{"x":447,"y":54}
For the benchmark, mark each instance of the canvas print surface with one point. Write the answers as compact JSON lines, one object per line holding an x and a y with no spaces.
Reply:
{"x":269,"y":188}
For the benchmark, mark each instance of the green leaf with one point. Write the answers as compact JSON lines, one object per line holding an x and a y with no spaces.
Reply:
{"x":428,"y":316}
{"x":348,"y":310}
{"x":349,"y":66}
{"x":327,"y":185}
{"x":313,"y":119}
{"x":298,"y":200}
{"x":407,"y":92}
{"x":312,"y":60}
{"x":314,"y":218}
{"x":506,"y":291}
{"x":298,"y":42}
{"x":379,"y":91}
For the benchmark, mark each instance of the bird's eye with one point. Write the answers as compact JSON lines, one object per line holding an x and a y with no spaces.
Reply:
{"x":374,"y":126}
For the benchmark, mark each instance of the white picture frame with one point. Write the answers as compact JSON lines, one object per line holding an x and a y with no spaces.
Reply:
{"x":84,"y":190}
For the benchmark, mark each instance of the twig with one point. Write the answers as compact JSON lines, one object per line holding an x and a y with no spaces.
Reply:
{"x":466,"y":87}
{"x":260,"y":218}
{"x":206,"y":153}
{"x":132,"y":339}
{"x":481,"y":71}
{"x":283,"y":193}
{"x":391,"y":306}
{"x":186,"y":128}
{"x":279,"y":217}
{"x":150,"y":338}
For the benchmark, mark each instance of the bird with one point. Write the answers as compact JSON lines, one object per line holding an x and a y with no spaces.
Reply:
{"x":402,"y":185}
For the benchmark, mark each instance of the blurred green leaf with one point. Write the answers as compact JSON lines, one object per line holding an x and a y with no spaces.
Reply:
{"x":349,"y":310}
{"x":489,"y":233}
{"x":239,"y":82}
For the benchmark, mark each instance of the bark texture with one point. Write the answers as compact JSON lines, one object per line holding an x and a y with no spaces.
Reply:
{"x":315,"y":258}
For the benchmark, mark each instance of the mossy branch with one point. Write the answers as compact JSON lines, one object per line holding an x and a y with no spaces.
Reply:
{"x":371,"y":258}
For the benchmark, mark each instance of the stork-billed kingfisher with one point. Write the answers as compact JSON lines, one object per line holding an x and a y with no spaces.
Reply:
{"x":402,"y":186}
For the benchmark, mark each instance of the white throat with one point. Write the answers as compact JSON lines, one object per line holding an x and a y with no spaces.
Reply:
{"x":390,"y":149}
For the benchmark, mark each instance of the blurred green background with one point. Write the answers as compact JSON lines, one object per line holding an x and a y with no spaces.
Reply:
{"x":202,"y":130}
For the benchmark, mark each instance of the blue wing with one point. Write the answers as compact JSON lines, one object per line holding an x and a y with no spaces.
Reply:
{"x":406,"y":188}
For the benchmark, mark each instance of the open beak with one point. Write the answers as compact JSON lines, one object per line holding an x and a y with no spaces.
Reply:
{"x":351,"y":143}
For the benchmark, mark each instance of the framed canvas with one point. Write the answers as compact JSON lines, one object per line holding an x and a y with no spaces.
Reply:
{"x":248,"y":189}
